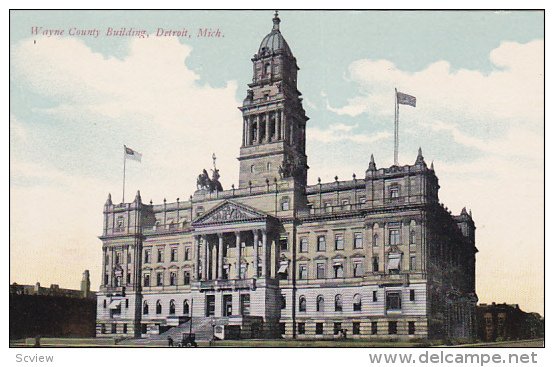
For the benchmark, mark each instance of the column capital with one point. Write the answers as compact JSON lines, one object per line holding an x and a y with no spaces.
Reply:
{"x":220,"y":235}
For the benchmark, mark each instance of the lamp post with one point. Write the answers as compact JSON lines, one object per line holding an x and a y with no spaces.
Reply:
{"x":213,"y":330}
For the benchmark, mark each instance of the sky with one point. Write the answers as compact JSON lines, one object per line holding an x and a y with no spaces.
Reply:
{"x":75,"y":100}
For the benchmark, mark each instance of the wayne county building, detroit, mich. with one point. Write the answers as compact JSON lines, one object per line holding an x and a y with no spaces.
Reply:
{"x":378,"y":256}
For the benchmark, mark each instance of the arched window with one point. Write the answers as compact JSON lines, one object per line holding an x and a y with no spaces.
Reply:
{"x":302,"y":304}
{"x":338,"y":303}
{"x":145,"y":308}
{"x":357,"y":302}
{"x":158,"y":307}
{"x":172,"y":307}
{"x":186,"y":307}
{"x":375,"y":239}
{"x":320,"y":306}
{"x":252,"y":169}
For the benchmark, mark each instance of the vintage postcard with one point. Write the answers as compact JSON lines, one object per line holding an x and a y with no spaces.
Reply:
{"x":266,"y":178}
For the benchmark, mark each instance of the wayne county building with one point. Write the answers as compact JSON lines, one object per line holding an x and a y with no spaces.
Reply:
{"x":378,"y":256}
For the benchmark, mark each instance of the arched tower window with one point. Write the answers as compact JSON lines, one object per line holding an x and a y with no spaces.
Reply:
{"x":186,"y":308}
{"x":158,"y":307}
{"x":267,"y":68}
{"x":172,"y":307}
{"x":145,"y":308}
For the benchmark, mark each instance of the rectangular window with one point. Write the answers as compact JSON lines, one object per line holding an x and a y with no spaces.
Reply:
{"x":321,"y":271}
{"x":394,"y":236}
{"x":304,"y":245}
{"x":106,"y":279}
{"x":393,"y":327}
{"x":374,"y":328}
{"x":284,"y":243}
{"x":227,"y":305}
{"x":245,"y":304}
{"x":124,"y":328}
{"x":187,"y":253}
{"x":361,"y":200}
{"x":394,"y":192}
{"x":412,"y":263}
{"x":282,"y":328}
{"x":355,"y":328}
{"x":103,"y":329}
{"x":147,"y":280}
{"x":159,"y":279}
{"x":374,"y":296}
{"x":339,"y":271}
{"x":412,"y":295}
{"x":186,"y":278}
{"x":321,"y":243}
{"x":358,"y":269}
{"x":301,"y":328}
{"x":319,"y":328}
{"x":411,"y":327}
{"x":328,"y":207}
{"x":358,"y":240}
{"x":339,"y":242}
{"x":147,"y":256}
{"x":160,"y":255}
{"x":128,"y":258}
{"x":375,"y":263}
{"x":394,"y":301}
{"x":174,"y":254}
{"x":128,"y":278}
{"x":302,"y":271}
{"x":114,"y":328}
{"x":210,"y":305}
{"x":337,"y":326}
{"x":172,"y":278}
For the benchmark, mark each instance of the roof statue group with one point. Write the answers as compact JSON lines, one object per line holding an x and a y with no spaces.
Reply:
{"x":204,"y":182}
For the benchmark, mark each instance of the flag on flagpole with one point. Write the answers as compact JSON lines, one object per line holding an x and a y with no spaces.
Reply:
{"x":132,"y":154}
{"x":403,"y":98}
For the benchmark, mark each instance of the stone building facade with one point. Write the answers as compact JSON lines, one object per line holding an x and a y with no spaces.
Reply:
{"x":377,"y":256}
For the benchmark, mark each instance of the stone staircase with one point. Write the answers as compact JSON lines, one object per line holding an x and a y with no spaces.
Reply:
{"x":202,"y":327}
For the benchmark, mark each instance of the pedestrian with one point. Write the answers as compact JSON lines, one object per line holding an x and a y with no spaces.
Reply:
{"x":170,"y":341}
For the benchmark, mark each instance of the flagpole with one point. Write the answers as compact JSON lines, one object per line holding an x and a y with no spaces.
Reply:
{"x":124,"y":160}
{"x":396,"y":113}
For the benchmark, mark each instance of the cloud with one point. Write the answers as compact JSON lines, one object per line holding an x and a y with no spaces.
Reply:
{"x":342,"y":132}
{"x":147,"y":99}
{"x":513,"y":90}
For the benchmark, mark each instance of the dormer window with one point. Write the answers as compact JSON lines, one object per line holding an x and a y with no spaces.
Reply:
{"x":394,"y":192}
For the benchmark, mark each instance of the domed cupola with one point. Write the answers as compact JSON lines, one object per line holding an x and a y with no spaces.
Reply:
{"x":274,"y":42}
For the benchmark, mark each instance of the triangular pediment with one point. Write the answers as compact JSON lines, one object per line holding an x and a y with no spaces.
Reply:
{"x":227,"y":212}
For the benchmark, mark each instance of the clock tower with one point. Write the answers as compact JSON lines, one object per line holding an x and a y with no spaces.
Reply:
{"x":274,"y":121}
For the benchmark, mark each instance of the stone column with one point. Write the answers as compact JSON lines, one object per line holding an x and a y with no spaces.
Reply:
{"x":205,"y":260}
{"x":256,"y":252}
{"x":239,"y":250}
{"x":258,"y":129}
{"x":213,"y":259}
{"x":264,"y":255}
{"x":112,"y":262}
{"x":275,"y":125}
{"x":195,"y":256}
{"x":220,"y":256}
{"x":267,"y":126}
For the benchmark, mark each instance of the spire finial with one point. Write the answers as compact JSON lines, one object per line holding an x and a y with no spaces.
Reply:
{"x":372,"y":166}
{"x":276,"y":21}
{"x":432,"y":165}
{"x":419,"y":159}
